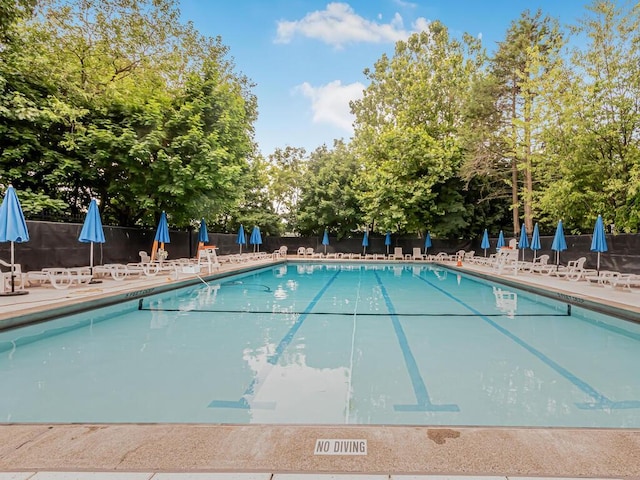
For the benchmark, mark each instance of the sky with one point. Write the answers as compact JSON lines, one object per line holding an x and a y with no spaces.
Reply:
{"x":307,"y":57}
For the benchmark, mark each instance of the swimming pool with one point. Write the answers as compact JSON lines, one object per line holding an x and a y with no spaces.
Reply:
{"x":328,"y":344}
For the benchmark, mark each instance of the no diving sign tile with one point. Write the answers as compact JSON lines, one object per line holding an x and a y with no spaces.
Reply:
{"x":340,"y":446}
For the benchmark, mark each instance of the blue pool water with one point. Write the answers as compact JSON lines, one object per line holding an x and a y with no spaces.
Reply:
{"x":329,"y":344}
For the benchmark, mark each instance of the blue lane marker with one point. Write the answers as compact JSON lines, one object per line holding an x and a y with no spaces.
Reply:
{"x":246,"y":401}
{"x":419,"y":388}
{"x":599,"y":400}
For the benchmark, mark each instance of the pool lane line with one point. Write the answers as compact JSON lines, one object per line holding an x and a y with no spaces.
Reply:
{"x":423,"y":401}
{"x":348,"y":400}
{"x":246,"y":401}
{"x":600,"y":400}
{"x":271,"y":312}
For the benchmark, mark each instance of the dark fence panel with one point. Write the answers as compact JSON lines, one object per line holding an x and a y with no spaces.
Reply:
{"x":56,"y":245}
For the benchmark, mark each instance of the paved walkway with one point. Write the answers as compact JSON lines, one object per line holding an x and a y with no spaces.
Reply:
{"x":286,"y":452}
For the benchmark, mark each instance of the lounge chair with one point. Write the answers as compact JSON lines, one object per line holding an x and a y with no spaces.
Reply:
{"x":505,"y":259}
{"x":117,"y":271}
{"x":439,"y":257}
{"x":574,"y":270}
{"x":60,"y":278}
{"x":626,"y":280}
{"x":537,"y":263}
{"x":603,"y":278}
{"x":417,"y":254}
{"x":397,"y":254}
{"x":301,"y":251}
{"x":281,"y":252}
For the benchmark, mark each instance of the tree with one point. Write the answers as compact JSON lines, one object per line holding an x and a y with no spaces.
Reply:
{"x":405,"y":133}
{"x":528,"y":55}
{"x":287,"y":171}
{"x":133,"y":107}
{"x":329,"y":197}
{"x":595,"y":147}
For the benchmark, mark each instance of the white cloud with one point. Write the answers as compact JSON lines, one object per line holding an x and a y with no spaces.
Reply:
{"x":404,"y":4}
{"x":339,"y":24}
{"x":330,"y":102}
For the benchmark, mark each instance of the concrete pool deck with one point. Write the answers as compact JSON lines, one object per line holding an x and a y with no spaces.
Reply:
{"x":189,"y":451}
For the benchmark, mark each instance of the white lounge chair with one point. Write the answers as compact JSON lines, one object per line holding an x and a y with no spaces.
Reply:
{"x":626,"y":280}
{"x":531,"y":266}
{"x":301,"y":251}
{"x":60,"y":278}
{"x":574,"y":270}
{"x":397,"y":254}
{"x":417,"y":254}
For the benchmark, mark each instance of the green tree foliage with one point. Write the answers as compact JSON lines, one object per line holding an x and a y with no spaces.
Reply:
{"x":287,"y":173}
{"x":129,"y":106}
{"x":406,"y":134}
{"x":328,"y":197}
{"x":504,"y":119}
{"x":595,"y":147}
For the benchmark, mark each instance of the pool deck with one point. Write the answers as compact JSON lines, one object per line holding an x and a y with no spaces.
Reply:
{"x":286,"y":452}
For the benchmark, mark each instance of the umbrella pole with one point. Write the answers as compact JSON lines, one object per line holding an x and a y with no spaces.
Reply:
{"x":598,"y":266}
{"x":13,"y":273}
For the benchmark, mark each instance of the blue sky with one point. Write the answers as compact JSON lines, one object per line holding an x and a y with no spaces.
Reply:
{"x":306,"y":57}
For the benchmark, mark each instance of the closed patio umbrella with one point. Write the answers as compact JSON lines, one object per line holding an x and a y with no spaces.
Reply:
{"x":599,"y":240}
{"x":241,"y":239}
{"x":559,"y":243}
{"x":162,"y":236}
{"x":256,"y":238}
{"x":485,"y":242}
{"x":365,"y":242}
{"x":427,"y":243}
{"x":203,"y":235}
{"x":387,"y":241}
{"x":325,"y":240}
{"x":92,"y":231}
{"x":535,"y":241}
{"x":501,"y":243}
{"x":13,"y":228}
{"x":524,"y":240}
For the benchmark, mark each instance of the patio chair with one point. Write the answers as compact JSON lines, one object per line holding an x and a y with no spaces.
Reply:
{"x":301,"y":251}
{"x":417,"y":254}
{"x":439,"y":257}
{"x":397,"y":254}
{"x":626,"y":280}
{"x":60,"y":278}
{"x":574,"y":270}
{"x":5,"y":277}
{"x":530,"y":266}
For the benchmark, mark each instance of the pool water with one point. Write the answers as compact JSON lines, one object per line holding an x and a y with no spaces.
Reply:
{"x":329,"y":344}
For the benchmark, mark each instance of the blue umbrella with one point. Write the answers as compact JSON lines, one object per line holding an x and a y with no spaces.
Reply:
{"x":365,"y":241}
{"x":162,"y":235}
{"x":599,"y":241}
{"x":203,"y":235}
{"x":13,"y":228}
{"x":387,"y":241}
{"x":241,"y":239}
{"x":559,"y":243}
{"x":535,"y":241}
{"x":325,"y":240}
{"x":524,"y":240}
{"x":256,"y":238}
{"x":427,"y":243}
{"x":485,"y":242}
{"x":501,"y":243}
{"x":92,"y":229}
